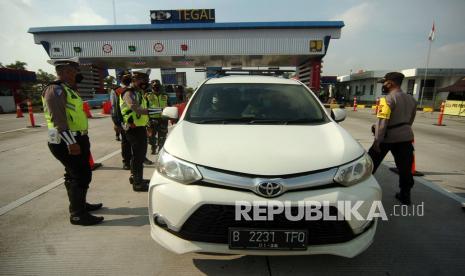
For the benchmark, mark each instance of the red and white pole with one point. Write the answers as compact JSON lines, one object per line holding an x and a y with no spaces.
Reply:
{"x":355,"y":103}
{"x":19,"y":112}
{"x":31,"y":115}
{"x":441,"y":114}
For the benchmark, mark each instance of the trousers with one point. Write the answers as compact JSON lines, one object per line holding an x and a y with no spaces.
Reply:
{"x":403,"y":157}
{"x":78,"y":173}
{"x":137,"y":138}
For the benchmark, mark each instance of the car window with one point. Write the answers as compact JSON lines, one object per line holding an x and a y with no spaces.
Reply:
{"x":254,"y":103}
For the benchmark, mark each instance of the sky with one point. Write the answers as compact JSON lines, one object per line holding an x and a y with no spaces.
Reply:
{"x":378,"y":35}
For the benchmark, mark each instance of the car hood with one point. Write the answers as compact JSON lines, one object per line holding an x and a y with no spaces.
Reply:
{"x":267,"y":150}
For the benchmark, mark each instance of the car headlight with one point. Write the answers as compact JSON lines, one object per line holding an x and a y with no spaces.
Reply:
{"x":176,"y":169}
{"x":354,"y":172}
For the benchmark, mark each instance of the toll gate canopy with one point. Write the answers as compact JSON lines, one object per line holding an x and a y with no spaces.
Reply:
{"x":193,"y":45}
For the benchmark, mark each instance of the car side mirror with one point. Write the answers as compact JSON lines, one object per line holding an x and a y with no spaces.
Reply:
{"x":338,"y":114}
{"x":170,"y":112}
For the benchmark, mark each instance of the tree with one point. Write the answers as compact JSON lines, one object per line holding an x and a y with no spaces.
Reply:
{"x":18,"y":65}
{"x":109,"y":83}
{"x":44,"y":78}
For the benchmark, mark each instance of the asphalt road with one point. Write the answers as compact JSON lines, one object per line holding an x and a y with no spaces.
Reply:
{"x":37,"y":239}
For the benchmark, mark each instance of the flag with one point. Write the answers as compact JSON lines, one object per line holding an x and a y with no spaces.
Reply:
{"x":432,"y":33}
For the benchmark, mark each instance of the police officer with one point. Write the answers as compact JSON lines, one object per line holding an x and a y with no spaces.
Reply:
{"x":68,"y":140}
{"x":157,"y":125}
{"x":393,"y":132}
{"x":135,"y":113}
{"x":125,"y":79}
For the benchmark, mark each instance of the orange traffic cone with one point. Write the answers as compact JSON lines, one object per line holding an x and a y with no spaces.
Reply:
{"x":86,"y":108}
{"x":19,"y":112}
{"x":92,"y":164}
{"x":414,"y":168}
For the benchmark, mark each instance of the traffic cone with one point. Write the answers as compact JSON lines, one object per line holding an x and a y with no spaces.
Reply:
{"x":19,"y":112}
{"x":92,"y":164}
{"x":414,"y":168}
{"x":86,"y":108}
{"x":31,"y":114}
{"x":106,"y":108}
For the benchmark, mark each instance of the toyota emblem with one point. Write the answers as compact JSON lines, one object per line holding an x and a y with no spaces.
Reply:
{"x":269,"y":189}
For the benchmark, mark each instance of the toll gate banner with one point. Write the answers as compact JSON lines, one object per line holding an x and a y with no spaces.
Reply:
{"x":456,"y":108}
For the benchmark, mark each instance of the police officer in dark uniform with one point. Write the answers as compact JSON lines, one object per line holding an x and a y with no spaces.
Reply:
{"x":68,"y":140}
{"x":393,"y":132}
{"x":125,"y":79}
{"x":135,"y":111}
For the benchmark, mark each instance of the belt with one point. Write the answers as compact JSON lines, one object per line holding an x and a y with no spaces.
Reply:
{"x":397,"y":125}
{"x":79,"y":133}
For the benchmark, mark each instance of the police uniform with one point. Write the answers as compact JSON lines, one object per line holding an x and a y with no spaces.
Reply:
{"x":393,"y":132}
{"x":67,"y":126}
{"x":126,"y":152}
{"x":158,"y":125}
{"x":135,"y":111}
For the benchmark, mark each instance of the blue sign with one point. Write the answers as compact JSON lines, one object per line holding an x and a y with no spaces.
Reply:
{"x":168,"y":76}
{"x":183,"y":16}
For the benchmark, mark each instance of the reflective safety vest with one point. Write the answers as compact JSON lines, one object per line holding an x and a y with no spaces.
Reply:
{"x":157,"y":101}
{"x":130,"y":117}
{"x":75,"y":116}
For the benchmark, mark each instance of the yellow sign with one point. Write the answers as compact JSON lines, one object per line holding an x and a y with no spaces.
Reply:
{"x":316,"y":45}
{"x":456,"y":108}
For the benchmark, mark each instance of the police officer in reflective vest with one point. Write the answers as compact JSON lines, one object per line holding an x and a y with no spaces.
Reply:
{"x":68,"y":140}
{"x":135,"y":113}
{"x":125,"y":79}
{"x":158,"y":126}
{"x":393,"y":132}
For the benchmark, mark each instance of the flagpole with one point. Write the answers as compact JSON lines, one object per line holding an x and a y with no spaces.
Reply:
{"x":426,"y":74}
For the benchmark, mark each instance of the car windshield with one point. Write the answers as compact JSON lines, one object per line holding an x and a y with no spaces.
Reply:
{"x":254,"y":103}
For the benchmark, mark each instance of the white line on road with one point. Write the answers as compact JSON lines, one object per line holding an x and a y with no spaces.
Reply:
{"x":433,"y":186}
{"x":43,"y":190}
{"x":8,"y":131}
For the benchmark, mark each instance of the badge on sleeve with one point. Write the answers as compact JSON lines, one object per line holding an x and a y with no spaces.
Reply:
{"x":58,"y":90}
{"x":384,"y":111}
{"x":53,"y":136}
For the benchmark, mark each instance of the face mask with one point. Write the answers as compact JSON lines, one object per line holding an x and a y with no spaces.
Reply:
{"x":78,"y":78}
{"x":384,"y":89}
{"x":143,"y":86}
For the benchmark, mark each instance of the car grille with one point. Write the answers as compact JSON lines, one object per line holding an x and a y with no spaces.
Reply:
{"x":210,"y":223}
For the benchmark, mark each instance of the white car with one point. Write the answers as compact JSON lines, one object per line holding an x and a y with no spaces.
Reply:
{"x":262,"y":141}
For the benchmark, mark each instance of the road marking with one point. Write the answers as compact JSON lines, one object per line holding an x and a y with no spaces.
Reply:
{"x":8,"y":131}
{"x":18,"y":129}
{"x":43,"y":190}
{"x":433,"y":186}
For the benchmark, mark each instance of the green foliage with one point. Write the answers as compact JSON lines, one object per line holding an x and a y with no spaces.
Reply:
{"x":109,"y":83}
{"x":18,"y":65}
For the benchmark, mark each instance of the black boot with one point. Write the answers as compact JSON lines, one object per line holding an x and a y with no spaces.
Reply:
{"x":126,"y":167}
{"x":147,"y":161}
{"x":92,"y":207}
{"x":139,"y":184}
{"x":79,"y":214}
{"x":85,"y":219}
{"x":404,"y":197}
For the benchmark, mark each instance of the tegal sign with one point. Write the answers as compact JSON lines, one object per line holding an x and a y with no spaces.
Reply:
{"x":183,"y":16}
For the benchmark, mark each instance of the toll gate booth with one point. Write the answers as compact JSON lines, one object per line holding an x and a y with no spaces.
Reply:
{"x":196,"y":45}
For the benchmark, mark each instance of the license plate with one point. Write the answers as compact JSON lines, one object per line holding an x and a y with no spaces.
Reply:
{"x":240,"y":238}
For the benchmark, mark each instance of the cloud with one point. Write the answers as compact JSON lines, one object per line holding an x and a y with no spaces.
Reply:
{"x":84,"y":15}
{"x":455,"y":49}
{"x":356,"y":18}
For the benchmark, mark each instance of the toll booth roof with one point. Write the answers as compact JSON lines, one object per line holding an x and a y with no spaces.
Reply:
{"x":178,"y":45}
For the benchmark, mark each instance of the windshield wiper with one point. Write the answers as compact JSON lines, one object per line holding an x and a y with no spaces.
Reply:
{"x":303,"y":121}
{"x":226,"y":120}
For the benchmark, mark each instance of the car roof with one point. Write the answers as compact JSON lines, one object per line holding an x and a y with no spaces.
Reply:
{"x":252,"y":79}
